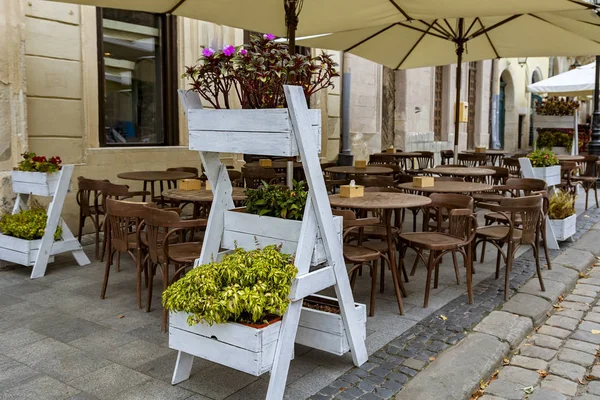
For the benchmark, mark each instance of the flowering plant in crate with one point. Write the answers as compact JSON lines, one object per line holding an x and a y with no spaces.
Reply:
{"x":562,"y":205}
{"x":34,"y":163}
{"x":552,"y":138}
{"x":556,"y":106}
{"x":27,"y":224}
{"x":257,"y":72}
{"x":246,"y":286}
{"x":278,"y":201}
{"x":542,"y":158}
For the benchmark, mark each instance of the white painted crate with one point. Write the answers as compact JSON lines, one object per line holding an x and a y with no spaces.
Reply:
{"x":553,"y":121}
{"x":38,"y":183}
{"x":325,"y":331}
{"x":237,"y":346}
{"x":20,"y":251}
{"x":549,"y":174}
{"x":246,"y":230}
{"x":261,"y":132}
{"x":564,"y":228}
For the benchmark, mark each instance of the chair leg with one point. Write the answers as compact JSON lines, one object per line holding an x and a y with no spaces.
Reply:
{"x":595,"y":187}
{"x":118,"y":261}
{"x":80,"y":231}
{"x":165,"y":313}
{"x":414,"y":267}
{"x":106,"y":273}
{"x":469,"y":262}
{"x":152,"y":271}
{"x":373,"y":287}
{"x":353,"y":277}
{"x":536,"y":253}
{"x":138,"y":276}
{"x":456,"y":267}
{"x":382,"y":277}
{"x":545,"y":244}
{"x":428,"y":280}
{"x":437,"y":271}
{"x":509,"y":261}
{"x":587,"y":196}
{"x":483,"y":251}
{"x":498,"y":255}
{"x":96,"y":220}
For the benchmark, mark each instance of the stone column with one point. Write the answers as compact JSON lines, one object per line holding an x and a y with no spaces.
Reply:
{"x":13,"y":105}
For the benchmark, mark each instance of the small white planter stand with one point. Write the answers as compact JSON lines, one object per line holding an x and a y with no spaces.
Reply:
{"x":281,"y":132}
{"x":559,"y":122}
{"x":38,"y":253}
{"x":564,"y":228}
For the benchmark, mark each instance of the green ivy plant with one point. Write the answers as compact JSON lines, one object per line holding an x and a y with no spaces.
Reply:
{"x":542,"y":158}
{"x":246,"y":286}
{"x":562,"y":205}
{"x":278,"y":201}
{"x":549,"y":139}
{"x":27,"y":224}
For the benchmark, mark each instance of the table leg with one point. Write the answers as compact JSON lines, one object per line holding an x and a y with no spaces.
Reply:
{"x":152,"y":191}
{"x":162,"y":199}
{"x":398,"y":285}
{"x":145,"y":189}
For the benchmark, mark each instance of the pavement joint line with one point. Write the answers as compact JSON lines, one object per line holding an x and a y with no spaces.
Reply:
{"x":434,"y":337}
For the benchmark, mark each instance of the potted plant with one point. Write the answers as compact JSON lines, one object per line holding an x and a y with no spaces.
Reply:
{"x":229,"y":311}
{"x":253,"y":77}
{"x":21,"y":234}
{"x":554,"y":114}
{"x":558,"y":142}
{"x":563,"y":218}
{"x":545,"y":166}
{"x":272,"y":215}
{"x":36,"y":175}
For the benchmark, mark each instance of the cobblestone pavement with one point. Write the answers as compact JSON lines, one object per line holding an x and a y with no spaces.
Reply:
{"x":559,"y":361}
{"x":392,"y":367}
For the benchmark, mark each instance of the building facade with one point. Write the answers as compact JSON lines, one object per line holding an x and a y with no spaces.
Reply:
{"x":98,"y":88}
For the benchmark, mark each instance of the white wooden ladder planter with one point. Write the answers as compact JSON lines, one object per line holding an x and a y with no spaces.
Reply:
{"x":282,"y":132}
{"x":38,"y":253}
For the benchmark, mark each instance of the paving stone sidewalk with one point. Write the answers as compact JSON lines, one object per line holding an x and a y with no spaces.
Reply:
{"x":559,"y":361}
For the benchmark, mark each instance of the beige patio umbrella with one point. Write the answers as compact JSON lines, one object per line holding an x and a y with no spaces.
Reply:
{"x":442,"y":41}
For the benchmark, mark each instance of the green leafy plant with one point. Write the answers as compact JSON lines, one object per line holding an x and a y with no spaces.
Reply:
{"x":33,"y":163}
{"x":549,"y":139}
{"x":256,"y":73}
{"x":27,"y":224}
{"x":556,"y":106}
{"x":562,"y":205}
{"x":542,"y":158}
{"x":277,"y":201}
{"x":247,"y":286}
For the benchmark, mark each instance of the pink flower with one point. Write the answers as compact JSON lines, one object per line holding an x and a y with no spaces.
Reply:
{"x":269,"y":36}
{"x":208,"y":52}
{"x":243,"y":52}
{"x":228,"y":50}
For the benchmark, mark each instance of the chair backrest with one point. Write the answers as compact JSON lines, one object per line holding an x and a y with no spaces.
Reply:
{"x":590,"y":167}
{"x":472,"y":159}
{"x":441,"y":205}
{"x":525,"y":185}
{"x":88,"y":195}
{"x":158,"y":223}
{"x":398,"y":150}
{"x":462,"y":223}
{"x":500,"y":176}
{"x":529,"y":209}
{"x":385,"y":159}
{"x":424,"y":159}
{"x":255,"y":175}
{"x":123,"y":218}
{"x":455,"y":166}
{"x":446,"y":156}
{"x":513,"y":165}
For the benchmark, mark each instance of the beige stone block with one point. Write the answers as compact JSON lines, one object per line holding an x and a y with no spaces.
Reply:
{"x":69,"y":149}
{"x":334,"y":126}
{"x":333,"y":149}
{"x":52,"y":39}
{"x":68,"y":13}
{"x":53,"y":78}
{"x":54,"y":117}
{"x":333,"y":105}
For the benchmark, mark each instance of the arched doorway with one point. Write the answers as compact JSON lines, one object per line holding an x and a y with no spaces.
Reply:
{"x":535,"y":99}
{"x":508,"y":119}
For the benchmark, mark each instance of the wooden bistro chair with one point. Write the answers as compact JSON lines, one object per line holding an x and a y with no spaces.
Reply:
{"x":513,"y":165}
{"x":472,"y":160}
{"x":357,"y":254}
{"x":423,"y":161}
{"x":447,"y":156}
{"x":497,"y":180}
{"x":462,"y":226}
{"x":568,"y":170}
{"x":162,"y":226}
{"x":588,"y":178}
{"x":521,"y":227}
{"x":386,"y":160}
{"x":117,"y":192}
{"x":255,"y":175}
{"x":123,"y":235}
{"x":89,"y":200}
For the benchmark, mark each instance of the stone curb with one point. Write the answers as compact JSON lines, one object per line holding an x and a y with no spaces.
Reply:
{"x":457,"y":373}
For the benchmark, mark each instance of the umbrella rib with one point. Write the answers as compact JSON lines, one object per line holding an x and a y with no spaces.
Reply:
{"x":424,"y":31}
{"x":470,"y":27}
{"x":589,"y":6}
{"x":488,"y":38}
{"x":176,"y":6}
{"x":560,"y":27}
{"x":369,"y":38}
{"x":496,"y":25}
{"x":450,"y":28}
{"x":401,"y":10}
{"x":414,"y":46}
{"x":436,"y":27}
{"x":443,"y":29}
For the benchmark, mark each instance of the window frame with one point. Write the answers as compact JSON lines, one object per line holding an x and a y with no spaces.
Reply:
{"x":167,"y":52}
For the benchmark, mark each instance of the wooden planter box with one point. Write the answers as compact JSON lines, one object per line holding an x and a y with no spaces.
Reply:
{"x":248,"y":230}
{"x":21,"y":251}
{"x":561,"y":151}
{"x":261,"y":132}
{"x":324,"y":330}
{"x":553,"y":121}
{"x":234,"y":345}
{"x":549,"y":174}
{"x":564,"y":228}
{"x":38,"y":183}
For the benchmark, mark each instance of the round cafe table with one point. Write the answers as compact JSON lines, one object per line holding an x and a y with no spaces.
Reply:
{"x":387,"y":201}
{"x":400,"y":154}
{"x":565,"y":157}
{"x":155,"y":176}
{"x":458,"y":171}
{"x":201,"y":198}
{"x":448,"y":187}
{"x":369,"y":170}
{"x":493,"y":156}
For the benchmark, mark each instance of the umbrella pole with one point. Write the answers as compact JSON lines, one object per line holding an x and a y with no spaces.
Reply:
{"x":460,"y":49}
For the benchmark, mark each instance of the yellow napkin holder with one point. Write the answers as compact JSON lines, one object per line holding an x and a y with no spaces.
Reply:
{"x":423,"y":181}
{"x":265,"y":162}
{"x":480,"y":149}
{"x":190,"y":184}
{"x":352,"y":191}
{"x":360,"y":164}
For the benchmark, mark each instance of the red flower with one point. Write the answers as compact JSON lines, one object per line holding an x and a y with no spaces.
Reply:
{"x":293,"y":194}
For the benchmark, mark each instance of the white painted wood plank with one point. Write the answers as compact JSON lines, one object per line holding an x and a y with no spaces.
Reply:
{"x":259,"y":143}
{"x":277,"y":228}
{"x":318,"y":193}
{"x":190,"y":100}
{"x":69,"y":243}
{"x":20,"y":245}
{"x":275,"y":120}
{"x":312,"y":282}
{"x":20,"y":202}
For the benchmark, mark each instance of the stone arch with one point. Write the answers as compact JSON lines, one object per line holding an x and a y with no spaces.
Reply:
{"x":509,"y":117}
